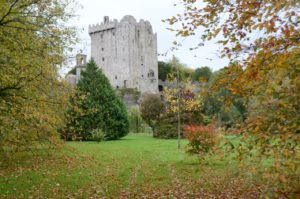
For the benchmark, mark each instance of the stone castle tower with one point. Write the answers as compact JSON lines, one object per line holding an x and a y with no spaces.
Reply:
{"x":127,"y":53}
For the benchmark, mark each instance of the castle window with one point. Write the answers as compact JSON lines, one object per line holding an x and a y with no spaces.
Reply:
{"x":117,"y":87}
{"x":103,"y":59}
{"x":125,"y":83}
{"x":116,"y":77}
{"x":101,"y":36}
{"x":151,"y":73}
{"x":142,"y":75}
{"x":102,"y":49}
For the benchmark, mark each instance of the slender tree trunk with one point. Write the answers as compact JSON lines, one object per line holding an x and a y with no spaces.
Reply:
{"x":178,"y":113}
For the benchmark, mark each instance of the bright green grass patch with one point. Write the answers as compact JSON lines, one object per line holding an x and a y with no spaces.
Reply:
{"x":106,"y":169}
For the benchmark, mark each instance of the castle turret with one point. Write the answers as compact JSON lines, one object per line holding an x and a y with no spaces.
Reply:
{"x":80,"y":60}
{"x":73,"y":77}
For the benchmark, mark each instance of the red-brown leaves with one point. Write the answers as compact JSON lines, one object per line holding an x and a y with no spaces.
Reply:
{"x":201,"y":138}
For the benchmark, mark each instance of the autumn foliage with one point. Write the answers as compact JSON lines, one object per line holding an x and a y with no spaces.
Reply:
{"x":261,"y":39}
{"x":201,"y":138}
{"x":182,"y":101}
{"x":33,"y":44}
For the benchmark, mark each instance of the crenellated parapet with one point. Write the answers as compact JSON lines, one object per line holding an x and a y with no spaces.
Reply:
{"x":108,"y":24}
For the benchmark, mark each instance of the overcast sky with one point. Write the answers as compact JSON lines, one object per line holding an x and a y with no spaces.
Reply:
{"x":93,"y":11}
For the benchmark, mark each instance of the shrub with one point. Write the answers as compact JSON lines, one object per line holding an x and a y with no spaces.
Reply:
{"x":98,"y":135}
{"x":166,"y":131}
{"x":201,"y":138}
{"x":167,"y":126}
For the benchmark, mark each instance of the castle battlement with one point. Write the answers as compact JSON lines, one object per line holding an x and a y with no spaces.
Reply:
{"x":108,"y":24}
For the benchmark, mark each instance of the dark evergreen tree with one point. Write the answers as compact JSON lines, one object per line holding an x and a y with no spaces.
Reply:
{"x":96,"y":107}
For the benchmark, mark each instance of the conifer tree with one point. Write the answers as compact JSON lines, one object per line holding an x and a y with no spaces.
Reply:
{"x":96,"y":107}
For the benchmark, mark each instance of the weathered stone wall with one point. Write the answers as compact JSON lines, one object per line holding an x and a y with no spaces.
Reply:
{"x":127,"y":53}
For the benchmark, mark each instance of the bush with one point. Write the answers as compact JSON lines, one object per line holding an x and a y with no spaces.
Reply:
{"x":98,"y":135}
{"x":166,"y":131}
{"x":201,"y":138}
{"x":167,"y":126}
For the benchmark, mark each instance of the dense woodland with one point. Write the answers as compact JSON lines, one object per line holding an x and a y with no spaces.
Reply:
{"x":239,"y":127}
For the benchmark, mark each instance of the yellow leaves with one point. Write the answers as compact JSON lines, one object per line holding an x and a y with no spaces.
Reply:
{"x":185,"y":33}
{"x":171,"y":21}
{"x":182,"y":95}
{"x":32,"y":47}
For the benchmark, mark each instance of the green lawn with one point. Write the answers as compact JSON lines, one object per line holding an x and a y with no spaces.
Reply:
{"x":135,"y":166}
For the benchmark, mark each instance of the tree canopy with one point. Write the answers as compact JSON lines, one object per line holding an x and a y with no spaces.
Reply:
{"x":171,"y":67}
{"x":33,"y":42}
{"x":151,"y":109}
{"x":202,"y":74}
{"x":244,"y":26}
{"x":262,"y":40}
{"x":95,"y":106}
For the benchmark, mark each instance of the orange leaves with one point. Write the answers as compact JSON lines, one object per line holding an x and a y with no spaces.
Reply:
{"x":240,"y":22}
{"x":201,"y":138}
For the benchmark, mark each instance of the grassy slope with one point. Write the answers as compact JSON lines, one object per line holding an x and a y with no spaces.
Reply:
{"x":133,"y":166}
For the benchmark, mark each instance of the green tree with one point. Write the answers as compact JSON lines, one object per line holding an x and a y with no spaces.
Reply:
{"x":164,"y":69}
{"x":151,"y":109}
{"x":95,"y":106}
{"x":177,"y":66}
{"x":202,"y":74}
{"x":220,"y":102}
